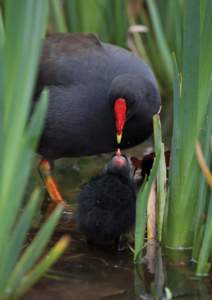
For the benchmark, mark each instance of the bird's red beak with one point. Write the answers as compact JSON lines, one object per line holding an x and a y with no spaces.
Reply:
{"x":120,"y":109}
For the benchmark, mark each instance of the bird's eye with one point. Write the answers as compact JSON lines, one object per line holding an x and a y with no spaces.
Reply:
{"x":131,"y":107}
{"x":130,"y":101}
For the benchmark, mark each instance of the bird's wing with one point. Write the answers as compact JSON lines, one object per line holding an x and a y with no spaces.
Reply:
{"x":67,"y":44}
{"x":62,"y":56}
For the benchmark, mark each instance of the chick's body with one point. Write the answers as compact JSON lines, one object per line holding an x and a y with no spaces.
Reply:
{"x":106,"y":204}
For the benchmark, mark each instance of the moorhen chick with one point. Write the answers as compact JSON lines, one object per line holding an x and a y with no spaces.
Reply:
{"x":106,"y":204}
{"x":95,"y":90}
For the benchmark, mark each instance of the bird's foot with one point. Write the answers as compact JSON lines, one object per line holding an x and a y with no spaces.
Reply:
{"x":45,"y":170}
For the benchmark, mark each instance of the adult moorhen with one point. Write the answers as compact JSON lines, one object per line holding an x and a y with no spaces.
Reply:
{"x":95,"y":90}
{"x":106,"y":204}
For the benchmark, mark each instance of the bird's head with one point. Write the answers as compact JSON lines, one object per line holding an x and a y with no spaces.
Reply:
{"x":120,"y":165}
{"x":134,"y":100}
{"x":123,"y":103}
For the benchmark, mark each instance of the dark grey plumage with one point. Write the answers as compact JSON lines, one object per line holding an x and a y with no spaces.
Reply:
{"x":106,"y":204}
{"x":84,"y":77}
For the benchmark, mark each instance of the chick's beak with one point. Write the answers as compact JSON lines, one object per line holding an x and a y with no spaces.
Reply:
{"x":120,"y":108}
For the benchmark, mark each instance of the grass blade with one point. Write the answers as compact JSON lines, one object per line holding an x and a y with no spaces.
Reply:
{"x":203,"y":165}
{"x":201,"y":210}
{"x":38,"y":271}
{"x":34,"y":250}
{"x":205,"y":251}
{"x":58,"y":17}
{"x":2,"y":33}
{"x":141,"y":209}
{"x":160,"y":37}
{"x":161,"y":177}
{"x":24,"y":158}
{"x":17,"y":239}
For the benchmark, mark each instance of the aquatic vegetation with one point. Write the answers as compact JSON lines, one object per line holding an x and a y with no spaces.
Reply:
{"x":20,"y":42}
{"x":107,"y":18}
{"x":144,"y":196}
{"x":163,"y":35}
{"x":187,"y":219}
{"x":189,"y":195}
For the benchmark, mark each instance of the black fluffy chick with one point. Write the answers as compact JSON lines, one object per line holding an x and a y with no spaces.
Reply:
{"x":106,"y":204}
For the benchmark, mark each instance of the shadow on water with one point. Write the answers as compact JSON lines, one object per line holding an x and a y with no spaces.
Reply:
{"x":86,"y":272}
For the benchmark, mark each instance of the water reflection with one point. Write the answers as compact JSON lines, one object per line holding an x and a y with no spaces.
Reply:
{"x":156,"y":278}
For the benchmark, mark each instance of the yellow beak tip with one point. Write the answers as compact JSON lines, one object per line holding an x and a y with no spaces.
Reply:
{"x":119,"y":138}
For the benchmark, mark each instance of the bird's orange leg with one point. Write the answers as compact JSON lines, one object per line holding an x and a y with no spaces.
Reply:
{"x":45,"y":170}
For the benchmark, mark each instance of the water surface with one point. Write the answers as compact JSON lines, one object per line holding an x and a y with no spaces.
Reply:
{"x":87,"y":272}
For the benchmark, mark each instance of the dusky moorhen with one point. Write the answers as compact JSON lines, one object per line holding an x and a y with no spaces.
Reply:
{"x":106,"y":204}
{"x":95,"y":90}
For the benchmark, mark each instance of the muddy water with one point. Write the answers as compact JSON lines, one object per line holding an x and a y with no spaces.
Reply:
{"x":86,"y":272}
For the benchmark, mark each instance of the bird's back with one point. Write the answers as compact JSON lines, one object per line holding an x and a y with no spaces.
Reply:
{"x":78,"y":70}
{"x":68,"y":59}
